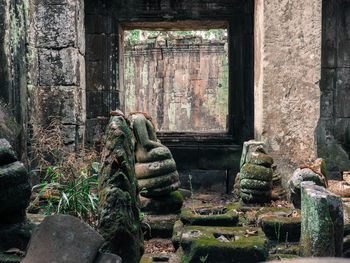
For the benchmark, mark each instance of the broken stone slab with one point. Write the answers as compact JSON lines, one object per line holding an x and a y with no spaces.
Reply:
{"x":119,"y":204}
{"x":64,"y":239}
{"x":294,"y":184}
{"x":210,"y":216}
{"x":322,"y":224}
{"x":245,"y":244}
{"x":280,"y":224}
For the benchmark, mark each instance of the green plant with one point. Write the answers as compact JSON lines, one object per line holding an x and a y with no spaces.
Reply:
{"x":203,"y":258}
{"x":191,"y":189}
{"x":75,"y":197}
{"x":278,"y":230}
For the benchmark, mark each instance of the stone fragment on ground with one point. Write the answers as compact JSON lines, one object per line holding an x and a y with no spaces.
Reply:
{"x":294,"y":184}
{"x":63,"y":239}
{"x":119,"y":205}
{"x":322,"y":225}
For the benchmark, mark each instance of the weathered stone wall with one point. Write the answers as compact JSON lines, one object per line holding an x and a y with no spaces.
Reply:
{"x":333,"y":133}
{"x":287,"y":76}
{"x":13,"y":67}
{"x":56,"y":79}
{"x":101,"y":67}
{"x":182,"y":83}
{"x":102,"y":33}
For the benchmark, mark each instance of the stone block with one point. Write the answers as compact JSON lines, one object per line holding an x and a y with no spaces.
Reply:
{"x":96,"y":47}
{"x":59,"y":102}
{"x":342,"y":99}
{"x":294,"y":184}
{"x":322,"y":225}
{"x":209,"y":216}
{"x":344,"y":53}
{"x":95,"y":128}
{"x":55,"y":25}
{"x":169,"y":204}
{"x":59,"y":67}
{"x":336,"y":157}
{"x":63,"y":238}
{"x":327,"y":103}
{"x":325,"y":131}
{"x":98,"y":24}
{"x":341,"y":130}
{"x":218,"y":244}
{"x":281,"y":224}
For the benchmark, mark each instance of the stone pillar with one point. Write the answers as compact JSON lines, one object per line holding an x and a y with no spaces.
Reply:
{"x":322,"y":225}
{"x":287,"y":75}
{"x":56,"y":81}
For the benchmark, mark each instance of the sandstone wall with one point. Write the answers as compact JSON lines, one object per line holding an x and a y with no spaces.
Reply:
{"x":182,"y":83}
{"x":287,"y":79}
{"x":56,"y":75}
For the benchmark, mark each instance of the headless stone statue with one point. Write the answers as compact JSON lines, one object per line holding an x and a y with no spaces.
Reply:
{"x":155,"y":167}
{"x":256,"y":173}
{"x":119,"y":203}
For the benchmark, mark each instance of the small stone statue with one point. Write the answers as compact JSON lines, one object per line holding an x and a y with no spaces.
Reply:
{"x":155,"y":167}
{"x":256,"y":173}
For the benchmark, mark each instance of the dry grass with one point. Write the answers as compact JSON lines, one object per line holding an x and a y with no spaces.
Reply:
{"x":48,"y":149}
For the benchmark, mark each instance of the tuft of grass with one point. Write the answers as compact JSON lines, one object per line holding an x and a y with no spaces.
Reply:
{"x":191,"y":189}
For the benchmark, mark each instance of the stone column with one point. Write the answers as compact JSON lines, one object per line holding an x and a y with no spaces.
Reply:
{"x":287,"y":75}
{"x":56,"y":84}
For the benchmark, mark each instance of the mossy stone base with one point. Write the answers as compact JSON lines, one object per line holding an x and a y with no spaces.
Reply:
{"x":169,"y":204}
{"x":278,"y":225}
{"x":158,"y":226}
{"x":228,"y":218}
{"x":199,"y":242}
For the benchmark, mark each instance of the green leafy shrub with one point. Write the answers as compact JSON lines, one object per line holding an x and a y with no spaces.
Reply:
{"x":74,"y":197}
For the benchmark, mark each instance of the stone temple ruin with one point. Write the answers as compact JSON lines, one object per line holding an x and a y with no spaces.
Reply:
{"x":178,"y":131}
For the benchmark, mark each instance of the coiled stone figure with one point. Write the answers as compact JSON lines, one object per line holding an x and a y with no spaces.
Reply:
{"x":155,"y":167}
{"x":256,"y":173}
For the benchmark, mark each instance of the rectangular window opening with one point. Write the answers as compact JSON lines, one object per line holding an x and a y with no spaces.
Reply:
{"x":180,"y":78}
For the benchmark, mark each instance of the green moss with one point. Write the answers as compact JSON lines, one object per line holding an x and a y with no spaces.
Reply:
{"x":229,"y":218}
{"x":10,"y":258}
{"x":241,"y":248}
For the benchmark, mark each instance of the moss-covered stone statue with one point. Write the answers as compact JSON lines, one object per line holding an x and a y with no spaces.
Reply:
{"x":155,"y":167}
{"x":256,"y":173}
{"x":157,"y":177}
{"x":119,"y":205}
